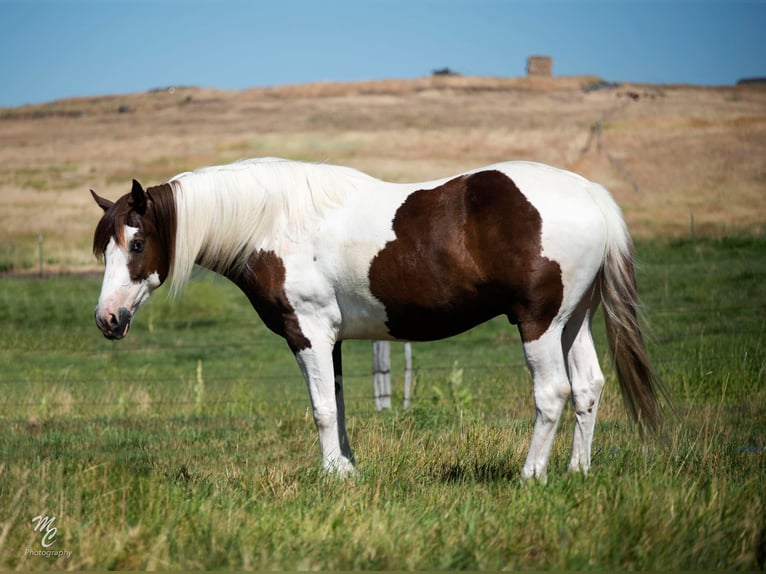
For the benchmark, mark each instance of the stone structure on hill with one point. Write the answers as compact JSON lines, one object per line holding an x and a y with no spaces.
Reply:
{"x":539,"y":66}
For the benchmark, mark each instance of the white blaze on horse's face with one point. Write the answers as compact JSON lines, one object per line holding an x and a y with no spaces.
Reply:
{"x":121,"y":294}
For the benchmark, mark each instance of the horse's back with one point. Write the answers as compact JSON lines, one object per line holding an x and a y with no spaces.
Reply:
{"x":557,"y":194}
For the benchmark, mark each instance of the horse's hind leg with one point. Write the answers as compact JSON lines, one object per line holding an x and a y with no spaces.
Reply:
{"x":550,"y":383}
{"x":587,"y":382}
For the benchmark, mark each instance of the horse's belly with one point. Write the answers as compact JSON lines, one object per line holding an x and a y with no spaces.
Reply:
{"x":362,"y":317}
{"x":373,"y":319}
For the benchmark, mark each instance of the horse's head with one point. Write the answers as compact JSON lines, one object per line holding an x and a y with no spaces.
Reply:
{"x":137,"y":252}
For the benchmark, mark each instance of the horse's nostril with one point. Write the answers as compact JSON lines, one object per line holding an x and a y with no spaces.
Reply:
{"x":113,"y":321}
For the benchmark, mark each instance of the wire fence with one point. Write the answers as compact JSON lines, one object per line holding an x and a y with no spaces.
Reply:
{"x":220,"y":386}
{"x":158,"y":352}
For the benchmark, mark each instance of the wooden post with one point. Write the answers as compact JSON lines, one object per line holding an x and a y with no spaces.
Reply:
{"x":407,"y":374}
{"x":40,"y":252}
{"x":381,"y":374}
{"x":692,"y":230}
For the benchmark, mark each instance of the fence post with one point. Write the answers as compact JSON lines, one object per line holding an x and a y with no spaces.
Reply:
{"x":691,"y":227}
{"x":381,"y":374}
{"x":407,"y":374}
{"x":40,"y":252}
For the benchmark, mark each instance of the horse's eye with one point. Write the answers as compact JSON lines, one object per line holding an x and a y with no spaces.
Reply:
{"x":137,"y":245}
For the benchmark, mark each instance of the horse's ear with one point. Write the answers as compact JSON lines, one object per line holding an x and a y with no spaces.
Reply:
{"x":102,"y":202}
{"x":138,"y":197}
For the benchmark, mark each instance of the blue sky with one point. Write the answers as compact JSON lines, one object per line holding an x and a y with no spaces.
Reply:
{"x":52,"y":49}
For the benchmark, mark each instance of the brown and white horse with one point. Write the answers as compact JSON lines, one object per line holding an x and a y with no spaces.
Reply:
{"x":327,"y":253}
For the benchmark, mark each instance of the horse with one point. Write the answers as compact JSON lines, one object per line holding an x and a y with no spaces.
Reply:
{"x":326,"y":253}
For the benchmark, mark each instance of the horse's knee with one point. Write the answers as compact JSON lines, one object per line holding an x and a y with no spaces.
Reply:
{"x":325,"y":417}
{"x":550,"y":399}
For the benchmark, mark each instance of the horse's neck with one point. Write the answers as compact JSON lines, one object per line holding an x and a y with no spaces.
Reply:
{"x":214,"y":224}
{"x":226,"y":215}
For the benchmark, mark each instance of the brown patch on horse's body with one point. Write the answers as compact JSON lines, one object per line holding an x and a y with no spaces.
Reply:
{"x":263,"y":281}
{"x":465,"y":252}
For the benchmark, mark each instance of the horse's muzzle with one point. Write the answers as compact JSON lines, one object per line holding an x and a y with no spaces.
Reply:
{"x":114,"y":326}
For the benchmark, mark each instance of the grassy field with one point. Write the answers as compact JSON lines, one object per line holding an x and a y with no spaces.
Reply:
{"x":189,"y":444}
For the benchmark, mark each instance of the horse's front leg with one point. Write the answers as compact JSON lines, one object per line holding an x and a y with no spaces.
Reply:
{"x":316,"y":364}
{"x":337,"y":365}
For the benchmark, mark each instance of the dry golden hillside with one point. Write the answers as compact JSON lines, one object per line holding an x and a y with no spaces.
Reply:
{"x":664,"y":152}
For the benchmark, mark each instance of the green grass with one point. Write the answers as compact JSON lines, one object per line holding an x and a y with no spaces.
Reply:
{"x":189,"y":444}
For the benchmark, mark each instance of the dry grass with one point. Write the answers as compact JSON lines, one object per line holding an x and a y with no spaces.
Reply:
{"x":682,"y":148}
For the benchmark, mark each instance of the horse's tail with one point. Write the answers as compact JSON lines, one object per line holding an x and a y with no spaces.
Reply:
{"x":639,"y":382}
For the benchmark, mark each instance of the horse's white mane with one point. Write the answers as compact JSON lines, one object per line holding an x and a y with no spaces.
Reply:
{"x":225,"y":213}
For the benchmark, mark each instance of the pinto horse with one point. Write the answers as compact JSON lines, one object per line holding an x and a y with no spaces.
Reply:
{"x":326,"y":253}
